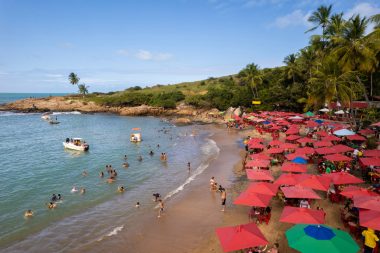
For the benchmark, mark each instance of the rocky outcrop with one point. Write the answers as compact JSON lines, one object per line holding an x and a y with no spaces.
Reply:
{"x":183,"y":114}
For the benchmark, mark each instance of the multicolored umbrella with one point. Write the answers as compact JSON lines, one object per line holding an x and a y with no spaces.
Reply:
{"x":367,"y":202}
{"x":299,"y":192}
{"x":320,"y":239}
{"x":369,"y":219}
{"x":240,"y":237}
{"x":298,"y":215}
{"x":253,"y":199}
{"x":255,"y":174}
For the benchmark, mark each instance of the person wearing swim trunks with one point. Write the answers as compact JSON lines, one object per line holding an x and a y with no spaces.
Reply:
{"x":223,"y":197}
{"x":161,"y":208}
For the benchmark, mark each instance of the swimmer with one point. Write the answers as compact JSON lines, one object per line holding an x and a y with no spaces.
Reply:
{"x":28,"y":213}
{"x":82,"y":190}
{"x":140,"y":158}
{"x":161,"y":208}
{"x":125,"y":165}
{"x":158,"y":145}
{"x":74,"y":189}
{"x":137,"y":205}
{"x":101,"y":174}
{"x":120,"y":189}
{"x":110,"y":180}
{"x":51,"y":205}
{"x":59,"y":197}
{"x":84,"y":173}
{"x":156,"y":196}
{"x":125,"y":157}
{"x":53,"y":198}
{"x":188,"y":166}
{"x":151,"y":153}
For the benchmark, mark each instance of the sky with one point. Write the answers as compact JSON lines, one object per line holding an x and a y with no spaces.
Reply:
{"x":115,"y":44}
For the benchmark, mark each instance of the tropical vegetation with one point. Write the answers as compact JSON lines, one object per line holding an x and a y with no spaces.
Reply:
{"x":340,"y":64}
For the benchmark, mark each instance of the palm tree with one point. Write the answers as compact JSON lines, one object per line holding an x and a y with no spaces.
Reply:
{"x":292,"y":68}
{"x":73,"y":78}
{"x":83,"y":89}
{"x":336,"y":25}
{"x":307,"y":60}
{"x":354,"y":50}
{"x":376,"y":20}
{"x":252,"y":76}
{"x":320,"y":17}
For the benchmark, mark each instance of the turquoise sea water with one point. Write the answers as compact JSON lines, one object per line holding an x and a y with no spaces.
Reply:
{"x":9,"y":97}
{"x":34,"y":165}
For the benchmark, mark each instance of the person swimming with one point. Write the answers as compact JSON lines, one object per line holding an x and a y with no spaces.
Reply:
{"x":51,"y":205}
{"x":59,"y":197}
{"x":139,"y":158}
{"x":125,"y":165}
{"x":125,"y":157}
{"x":151,"y":153}
{"x":101,"y":174}
{"x":137,"y":205}
{"x":156,"y":196}
{"x":54,"y":198}
{"x":74,"y":189}
{"x":82,"y":190}
{"x":120,"y":189}
{"x":28,"y":213}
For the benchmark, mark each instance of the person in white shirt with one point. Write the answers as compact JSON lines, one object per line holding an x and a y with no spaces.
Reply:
{"x":304,"y":203}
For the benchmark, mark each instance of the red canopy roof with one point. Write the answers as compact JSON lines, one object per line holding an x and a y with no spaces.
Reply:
{"x":322,"y":133}
{"x":352,"y":190}
{"x":290,"y":157}
{"x":260,"y":156}
{"x":256,"y":145}
{"x":305,"y":150}
{"x":306,"y":140}
{"x":366,"y":132}
{"x":323,"y":144}
{"x":368,"y":161}
{"x":372,"y":153}
{"x":263,"y":188}
{"x":258,"y":163}
{"x":356,"y":137}
{"x":337,"y":158}
{"x":367,"y":202}
{"x":369,"y":219}
{"x":316,"y":182}
{"x":291,"y":179}
{"x":253,"y":199}
{"x":294,"y":167}
{"x":325,"y":150}
{"x":292,"y":130}
{"x":255,"y":140}
{"x":276,"y":143}
{"x":292,"y":137}
{"x":240,"y":237}
{"x":299,"y":192}
{"x":331,"y":138}
{"x":288,"y":146}
{"x":255,"y":174}
{"x":302,"y":215}
{"x":275,"y":151}
{"x":343,"y":178}
{"x":340,"y":148}
{"x":312,"y":123}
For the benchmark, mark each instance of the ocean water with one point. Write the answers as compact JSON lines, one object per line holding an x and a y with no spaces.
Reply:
{"x":9,"y":97}
{"x":34,"y":165}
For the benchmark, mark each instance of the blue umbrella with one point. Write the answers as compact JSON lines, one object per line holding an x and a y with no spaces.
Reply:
{"x":319,"y":121}
{"x":299,"y":160}
{"x":266,"y":122}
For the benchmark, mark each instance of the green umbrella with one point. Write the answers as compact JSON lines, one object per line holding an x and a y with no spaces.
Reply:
{"x":320,"y":238}
{"x":309,"y":113}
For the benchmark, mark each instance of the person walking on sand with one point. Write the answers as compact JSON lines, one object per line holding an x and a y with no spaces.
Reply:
{"x":212,"y":182}
{"x":161,"y":208}
{"x":223,"y":197}
{"x":188,"y":166}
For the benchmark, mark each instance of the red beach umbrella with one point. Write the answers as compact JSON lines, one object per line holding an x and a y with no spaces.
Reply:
{"x":276,"y":143}
{"x":322,"y":133}
{"x":294,"y":167}
{"x":291,"y":157}
{"x":352,"y":190}
{"x":301,"y":215}
{"x":258,"y":163}
{"x":275,"y":151}
{"x":253,"y":199}
{"x":340,"y":148}
{"x":260,"y":156}
{"x":325,"y":150}
{"x":240,"y":237}
{"x":305,"y":150}
{"x":369,"y":219}
{"x":331,"y":138}
{"x":337,"y":158}
{"x":263,"y":188}
{"x":306,"y":140}
{"x":356,"y":137}
{"x":255,"y":174}
{"x":256,"y":145}
{"x":312,"y":124}
{"x":316,"y":182}
{"x":299,"y":192}
{"x":367,"y":202}
{"x":371,"y":153}
{"x":366,"y":132}
{"x":322,"y":144}
{"x":288,"y":146}
{"x":343,"y":178}
{"x":368,"y":161}
{"x":291,"y":179}
{"x":255,"y":140}
{"x":292,"y":137}
{"x":292,"y":130}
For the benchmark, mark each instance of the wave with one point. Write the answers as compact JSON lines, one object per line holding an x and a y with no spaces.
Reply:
{"x":7,"y":113}
{"x":72,"y":112}
{"x":115,"y":231}
{"x":211,"y":150}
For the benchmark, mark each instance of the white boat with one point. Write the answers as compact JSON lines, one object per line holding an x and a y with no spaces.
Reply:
{"x":135,"y":137}
{"x":46,"y":116}
{"x":76,"y":144}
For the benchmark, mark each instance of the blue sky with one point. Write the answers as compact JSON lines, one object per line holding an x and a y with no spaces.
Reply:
{"x":115,"y":44}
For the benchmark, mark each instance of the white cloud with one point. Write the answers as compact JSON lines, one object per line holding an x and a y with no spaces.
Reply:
{"x":296,"y":18}
{"x":123,"y":52}
{"x":364,"y":9}
{"x":146,"y":55}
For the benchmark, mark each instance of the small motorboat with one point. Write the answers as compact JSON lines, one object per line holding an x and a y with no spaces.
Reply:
{"x":135,"y":137}
{"x":76,"y":144}
{"x":53,"y":121}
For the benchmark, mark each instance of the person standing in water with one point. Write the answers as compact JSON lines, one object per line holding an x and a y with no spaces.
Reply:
{"x":161,"y":208}
{"x":223,"y":197}
{"x":188,"y":166}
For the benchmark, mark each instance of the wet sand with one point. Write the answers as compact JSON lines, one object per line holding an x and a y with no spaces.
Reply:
{"x":190,"y":216}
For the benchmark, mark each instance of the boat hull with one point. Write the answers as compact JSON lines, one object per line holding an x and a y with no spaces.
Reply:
{"x":71,"y":146}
